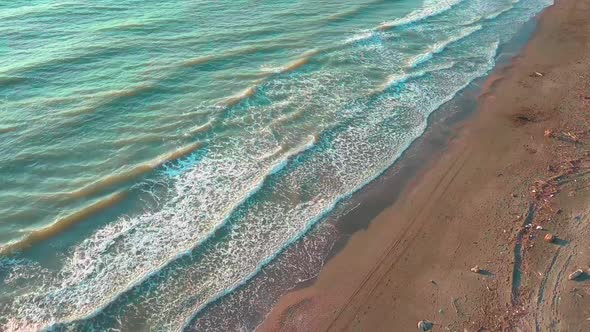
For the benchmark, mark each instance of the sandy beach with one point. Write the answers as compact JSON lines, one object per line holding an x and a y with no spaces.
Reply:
{"x":514,"y":172}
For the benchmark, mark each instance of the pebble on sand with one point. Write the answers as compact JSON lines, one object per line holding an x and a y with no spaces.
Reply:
{"x":424,"y":325}
{"x":575,"y":274}
{"x":475,"y":269}
{"x":549,"y":238}
{"x":548,"y":133}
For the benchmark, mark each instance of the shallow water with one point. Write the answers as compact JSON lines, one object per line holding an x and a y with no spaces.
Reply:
{"x":154,"y":156}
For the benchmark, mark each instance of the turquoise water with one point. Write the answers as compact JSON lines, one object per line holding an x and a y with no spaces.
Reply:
{"x":154,"y":155}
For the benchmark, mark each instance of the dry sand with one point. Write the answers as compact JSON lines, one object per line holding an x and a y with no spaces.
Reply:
{"x":471,"y":206}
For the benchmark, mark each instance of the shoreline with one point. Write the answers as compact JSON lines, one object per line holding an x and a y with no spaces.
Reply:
{"x":384,"y":275}
{"x":326,"y":238}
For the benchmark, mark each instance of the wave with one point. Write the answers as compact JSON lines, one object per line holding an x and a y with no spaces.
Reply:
{"x":61,"y":224}
{"x":97,"y":100}
{"x":126,"y":26}
{"x":431,"y":8}
{"x":275,"y":168}
{"x":302,"y":60}
{"x":199,"y":129}
{"x":299,"y":62}
{"x":440,"y":46}
{"x":498,"y":13}
{"x":395,"y":79}
{"x":131,"y":25}
{"x":65,"y":56}
{"x":235,"y":99}
{"x":128,"y":175}
{"x":491,"y":16}
{"x":199,"y":60}
{"x":20,"y":12}
{"x":10,"y":79}
{"x":285,"y":118}
{"x":268,"y":70}
{"x":360,"y":36}
{"x":8,"y":129}
{"x":143,"y":138}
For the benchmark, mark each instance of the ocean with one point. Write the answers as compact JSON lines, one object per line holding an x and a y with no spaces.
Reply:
{"x":156,"y":156}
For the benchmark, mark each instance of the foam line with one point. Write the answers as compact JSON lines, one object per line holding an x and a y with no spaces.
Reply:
{"x":431,"y":8}
{"x":441,"y":46}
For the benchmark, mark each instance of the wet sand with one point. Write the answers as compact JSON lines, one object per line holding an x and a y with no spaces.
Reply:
{"x":520,"y":162}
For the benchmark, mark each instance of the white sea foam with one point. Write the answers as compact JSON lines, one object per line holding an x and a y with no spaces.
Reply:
{"x":395,"y":79}
{"x":440,"y":46}
{"x":500,"y":12}
{"x":430,"y":8}
{"x":360,"y":36}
